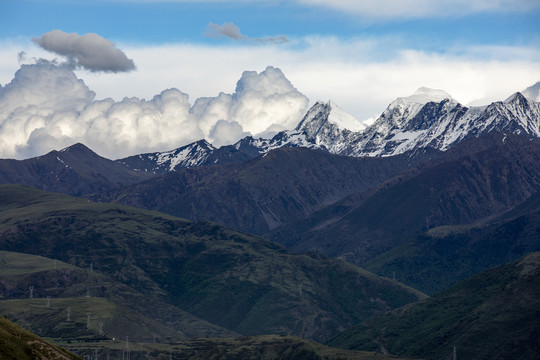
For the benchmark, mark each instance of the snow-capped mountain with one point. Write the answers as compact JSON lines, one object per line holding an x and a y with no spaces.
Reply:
{"x":440,"y":125}
{"x":191,"y":155}
{"x":427,"y":118}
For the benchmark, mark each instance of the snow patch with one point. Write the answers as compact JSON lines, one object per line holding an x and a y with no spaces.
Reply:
{"x":343,"y":119}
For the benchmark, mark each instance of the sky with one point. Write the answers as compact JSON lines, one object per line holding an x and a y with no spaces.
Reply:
{"x":132,"y":76}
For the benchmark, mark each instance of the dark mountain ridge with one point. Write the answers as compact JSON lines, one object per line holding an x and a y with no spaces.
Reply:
{"x":256,"y":196}
{"x":477,"y":180}
{"x":75,"y":170}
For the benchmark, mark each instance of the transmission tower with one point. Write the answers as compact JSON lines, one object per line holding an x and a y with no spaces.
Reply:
{"x":31,"y":288}
{"x":88,"y":320}
{"x":68,"y":314}
{"x":126,"y":351}
{"x":100,"y":324}
{"x":48,"y":301}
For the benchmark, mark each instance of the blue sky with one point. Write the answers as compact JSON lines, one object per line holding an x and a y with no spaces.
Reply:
{"x":361,"y":54}
{"x":145,"y":22}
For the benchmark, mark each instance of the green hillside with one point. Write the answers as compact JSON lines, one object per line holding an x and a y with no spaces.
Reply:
{"x":17,"y":343}
{"x":237,"y":281}
{"x":263,"y":347}
{"x":493,"y":315}
{"x":439,"y":258}
{"x":124,"y":308}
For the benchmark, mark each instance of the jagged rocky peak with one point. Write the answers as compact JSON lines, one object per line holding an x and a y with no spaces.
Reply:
{"x":517,"y":98}
{"x":330,"y":113}
{"x":405,"y":108}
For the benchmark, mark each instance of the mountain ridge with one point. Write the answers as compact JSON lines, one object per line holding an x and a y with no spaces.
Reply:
{"x":428,"y":118}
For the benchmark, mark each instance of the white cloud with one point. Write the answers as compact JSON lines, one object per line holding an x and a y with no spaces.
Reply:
{"x":226,"y":132}
{"x":89,"y":51}
{"x":47,"y":107}
{"x":262,"y":103}
{"x":361,"y":75}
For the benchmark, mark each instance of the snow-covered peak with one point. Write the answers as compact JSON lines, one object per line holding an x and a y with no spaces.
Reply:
{"x":343,"y":119}
{"x":328,"y":114}
{"x":425,"y":95}
{"x":403,"y":109}
{"x":515,"y":97}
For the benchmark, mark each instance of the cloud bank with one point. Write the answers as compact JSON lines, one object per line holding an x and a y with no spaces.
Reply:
{"x":89,"y":51}
{"x":47,"y":107}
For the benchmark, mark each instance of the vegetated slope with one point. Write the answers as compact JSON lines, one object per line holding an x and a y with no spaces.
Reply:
{"x":75,"y":170}
{"x":493,"y":315}
{"x":444,"y":255}
{"x":478,"y":179}
{"x":123,"y":311}
{"x":259,"y":195}
{"x":267,"y":347}
{"x":17,"y":343}
{"x":240,"y":282}
{"x":263,"y":347}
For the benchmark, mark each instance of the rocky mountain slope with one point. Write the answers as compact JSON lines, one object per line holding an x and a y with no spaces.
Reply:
{"x":256,"y":196}
{"x":478,"y":179}
{"x":427,"y":119}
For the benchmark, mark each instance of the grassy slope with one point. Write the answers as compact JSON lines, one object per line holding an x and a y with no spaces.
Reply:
{"x":19,"y":344}
{"x":493,"y":315}
{"x":121,"y":308}
{"x":237,"y":281}
{"x":264,"y":347}
{"x":119,"y":321}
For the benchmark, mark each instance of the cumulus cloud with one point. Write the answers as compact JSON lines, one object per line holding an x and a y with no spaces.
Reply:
{"x":262,"y":102}
{"x":89,"y":51}
{"x":226,"y":132}
{"x":47,"y":107}
{"x":232,"y":31}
